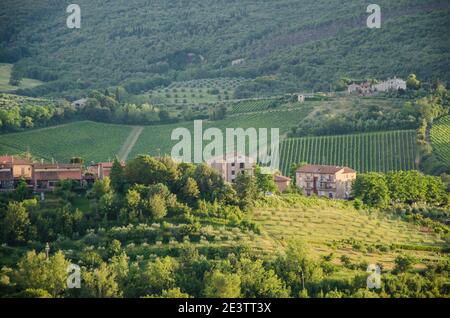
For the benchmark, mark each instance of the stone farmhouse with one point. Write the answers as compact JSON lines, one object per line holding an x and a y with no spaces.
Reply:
{"x":43,"y":177}
{"x":333,"y":182}
{"x":13,"y":169}
{"x":231,"y":164}
{"x":361,"y":89}
{"x":47,"y":176}
{"x":366,"y":88}
{"x":282,"y":182}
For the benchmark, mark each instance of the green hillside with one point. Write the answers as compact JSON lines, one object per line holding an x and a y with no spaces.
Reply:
{"x":91,"y":141}
{"x":380,"y":151}
{"x":300,"y":44}
{"x":336,"y":227}
{"x":100,"y":142}
{"x":440,"y":138}
{"x":5,"y":75}
{"x":156,"y":140}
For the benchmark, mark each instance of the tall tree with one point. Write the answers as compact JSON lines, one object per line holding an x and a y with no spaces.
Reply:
{"x":15,"y":224}
{"x":117,"y":176}
{"x":222,"y":285}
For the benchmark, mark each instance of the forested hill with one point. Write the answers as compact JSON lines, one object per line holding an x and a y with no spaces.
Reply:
{"x":287,"y":44}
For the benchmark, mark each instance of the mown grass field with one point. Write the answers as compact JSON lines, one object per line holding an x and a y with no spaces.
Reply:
{"x":91,"y":141}
{"x":336,"y":227}
{"x":5,"y":74}
{"x":440,"y":138}
{"x":379,"y":151}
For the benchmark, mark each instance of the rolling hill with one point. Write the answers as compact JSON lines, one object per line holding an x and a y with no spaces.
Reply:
{"x":440,"y":138}
{"x":285,"y":45}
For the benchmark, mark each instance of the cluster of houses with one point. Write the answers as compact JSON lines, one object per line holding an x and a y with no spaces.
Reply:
{"x":333,"y":182}
{"x":366,"y":88}
{"x":43,"y":177}
{"x":329,"y":181}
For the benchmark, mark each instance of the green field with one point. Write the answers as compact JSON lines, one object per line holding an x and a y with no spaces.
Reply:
{"x":5,"y":73}
{"x":440,"y":138}
{"x":379,"y":151}
{"x":155,"y":140}
{"x":91,"y":141}
{"x":334,"y":226}
{"x":100,"y":142}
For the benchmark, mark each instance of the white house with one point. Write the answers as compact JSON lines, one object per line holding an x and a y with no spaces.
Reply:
{"x":237,"y":62}
{"x":80,"y":103}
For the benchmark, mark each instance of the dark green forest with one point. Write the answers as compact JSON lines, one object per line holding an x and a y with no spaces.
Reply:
{"x":287,"y":45}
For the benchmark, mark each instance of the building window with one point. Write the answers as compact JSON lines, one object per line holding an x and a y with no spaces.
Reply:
{"x":241,"y":165}
{"x":233,"y":172}
{"x":330,"y":195}
{"x":233,"y":164}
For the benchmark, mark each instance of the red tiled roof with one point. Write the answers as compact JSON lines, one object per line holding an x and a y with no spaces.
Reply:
{"x":349,"y":170}
{"x":279,"y":178}
{"x":323,"y":169}
{"x":14,"y":160}
{"x":6,"y":159}
{"x":57,"y":166}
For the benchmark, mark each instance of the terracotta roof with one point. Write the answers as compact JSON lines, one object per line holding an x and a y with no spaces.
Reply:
{"x":57,"y":166}
{"x":106,"y":164}
{"x":324,"y":169}
{"x":6,"y":159}
{"x":349,"y":170}
{"x":14,"y":160}
{"x":279,"y":178}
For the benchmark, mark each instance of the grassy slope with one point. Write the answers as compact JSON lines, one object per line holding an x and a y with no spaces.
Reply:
{"x":96,"y":141}
{"x":440,"y":138}
{"x":5,"y":74}
{"x":325,"y":226}
{"x":336,"y":227}
{"x":157,"y":139}
{"x":92,"y":141}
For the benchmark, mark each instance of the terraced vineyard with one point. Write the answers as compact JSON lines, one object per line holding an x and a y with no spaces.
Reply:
{"x":379,"y":151}
{"x":336,"y":227}
{"x":91,"y":141}
{"x":440,"y":138}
